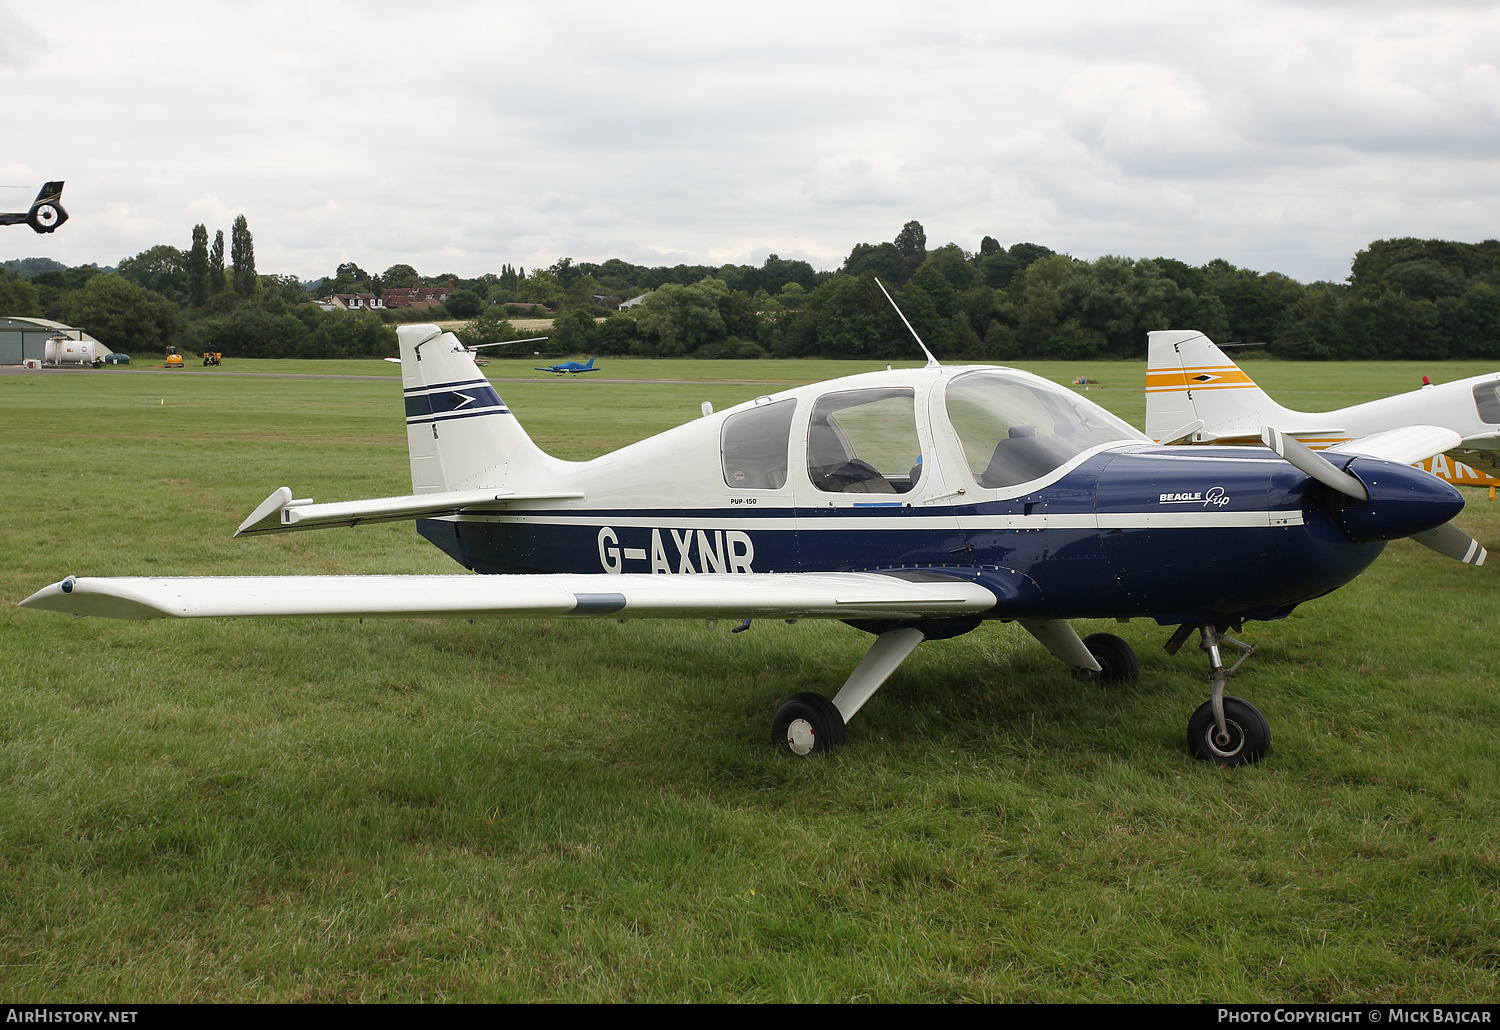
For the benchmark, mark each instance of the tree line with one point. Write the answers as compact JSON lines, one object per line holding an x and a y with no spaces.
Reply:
{"x":1404,"y":298}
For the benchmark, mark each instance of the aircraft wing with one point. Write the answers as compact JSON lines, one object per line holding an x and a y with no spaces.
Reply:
{"x":1407,"y":445}
{"x":812,"y":595}
{"x":280,"y":513}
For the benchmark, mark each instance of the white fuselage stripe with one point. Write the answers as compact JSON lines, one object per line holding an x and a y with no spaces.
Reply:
{"x":813,"y":523}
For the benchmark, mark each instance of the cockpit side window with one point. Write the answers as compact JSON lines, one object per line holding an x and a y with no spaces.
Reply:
{"x":1487,"y":401}
{"x":1014,"y":430}
{"x":865,"y":441}
{"x":755,"y":446}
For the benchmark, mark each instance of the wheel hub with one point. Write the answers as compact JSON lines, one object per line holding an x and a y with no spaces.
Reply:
{"x":800,"y":737}
{"x":1228,"y":744}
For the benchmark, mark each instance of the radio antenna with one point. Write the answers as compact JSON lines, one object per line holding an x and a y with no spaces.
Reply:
{"x":932,"y":362}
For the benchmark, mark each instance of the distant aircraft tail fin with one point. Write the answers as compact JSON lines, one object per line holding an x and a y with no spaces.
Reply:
{"x":459,"y":433}
{"x":1189,"y":379}
{"x":47,"y":212}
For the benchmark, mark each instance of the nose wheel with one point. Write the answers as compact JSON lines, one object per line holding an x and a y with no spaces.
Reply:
{"x":1227,"y":730}
{"x":1246,"y":736}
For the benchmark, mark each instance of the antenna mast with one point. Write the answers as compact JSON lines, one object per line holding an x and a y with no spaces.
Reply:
{"x":932,"y":362}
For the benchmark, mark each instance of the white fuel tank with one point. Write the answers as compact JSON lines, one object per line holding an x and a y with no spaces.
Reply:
{"x":70,"y":352}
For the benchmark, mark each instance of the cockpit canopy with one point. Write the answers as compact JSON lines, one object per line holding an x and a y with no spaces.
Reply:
{"x":1015,"y":429}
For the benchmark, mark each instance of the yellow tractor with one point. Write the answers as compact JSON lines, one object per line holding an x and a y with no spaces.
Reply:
{"x":212,"y":357}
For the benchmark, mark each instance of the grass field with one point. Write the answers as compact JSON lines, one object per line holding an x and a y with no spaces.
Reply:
{"x":431,"y":810}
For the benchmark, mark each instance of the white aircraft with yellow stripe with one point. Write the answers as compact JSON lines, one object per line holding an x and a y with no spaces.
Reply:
{"x":1195,"y":393}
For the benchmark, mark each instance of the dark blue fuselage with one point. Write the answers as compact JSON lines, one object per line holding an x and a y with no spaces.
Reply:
{"x":1178,"y":534}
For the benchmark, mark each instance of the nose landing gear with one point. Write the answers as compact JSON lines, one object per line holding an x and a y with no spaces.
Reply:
{"x":1227,"y":730}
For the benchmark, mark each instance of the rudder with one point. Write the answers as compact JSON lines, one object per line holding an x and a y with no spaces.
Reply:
{"x":459,"y":434}
{"x":1189,"y":378}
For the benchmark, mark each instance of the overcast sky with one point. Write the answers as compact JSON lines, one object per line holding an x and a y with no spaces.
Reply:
{"x":459,"y":136}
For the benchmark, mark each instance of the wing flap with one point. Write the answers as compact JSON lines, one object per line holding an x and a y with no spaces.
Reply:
{"x":1407,"y":445}
{"x":833,"y":595}
{"x":280,"y":513}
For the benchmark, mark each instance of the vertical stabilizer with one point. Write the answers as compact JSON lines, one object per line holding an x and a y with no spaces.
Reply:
{"x":459,"y":433}
{"x":1189,"y":378}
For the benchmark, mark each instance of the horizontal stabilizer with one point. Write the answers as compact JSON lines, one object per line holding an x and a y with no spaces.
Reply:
{"x":1407,"y":445}
{"x":1183,"y":433}
{"x":280,"y":513}
{"x":831,"y":595}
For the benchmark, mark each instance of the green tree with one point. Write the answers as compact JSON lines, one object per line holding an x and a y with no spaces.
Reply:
{"x":999,"y":267}
{"x":242,"y":258}
{"x":679,"y":319}
{"x":777,"y":272}
{"x":846,"y":317}
{"x":1254,"y":304}
{"x":18,"y":297}
{"x":542,"y":287}
{"x":1121,"y":300}
{"x":954,"y":265}
{"x":216,"y":280}
{"x":1313,"y":328}
{"x":399,"y":277}
{"x":161,"y":269}
{"x":1368,"y":274}
{"x":490,"y":327}
{"x":464,"y":303}
{"x":617,"y":334}
{"x":197,"y":267}
{"x":912,"y":239}
{"x":882,"y":259}
{"x":121,"y":314}
{"x":572,"y":333}
{"x":348,"y":278}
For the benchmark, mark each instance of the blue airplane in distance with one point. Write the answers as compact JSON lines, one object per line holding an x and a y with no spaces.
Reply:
{"x":573,"y":367}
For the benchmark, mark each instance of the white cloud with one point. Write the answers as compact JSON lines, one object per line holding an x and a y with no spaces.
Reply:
{"x":460,"y":136}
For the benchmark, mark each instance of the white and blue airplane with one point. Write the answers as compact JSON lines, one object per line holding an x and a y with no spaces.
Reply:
{"x":913,"y":504}
{"x":571,"y":367}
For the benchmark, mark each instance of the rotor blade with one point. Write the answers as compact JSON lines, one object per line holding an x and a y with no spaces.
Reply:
{"x":1314,"y":464}
{"x":1452,"y":542}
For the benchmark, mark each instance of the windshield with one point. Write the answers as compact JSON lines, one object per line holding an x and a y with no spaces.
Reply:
{"x":1015,"y":429}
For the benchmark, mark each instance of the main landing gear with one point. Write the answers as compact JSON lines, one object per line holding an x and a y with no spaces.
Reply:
{"x":808,"y":722}
{"x":1227,"y":730}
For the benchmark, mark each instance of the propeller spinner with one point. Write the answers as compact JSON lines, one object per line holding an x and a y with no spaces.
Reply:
{"x":1399,"y":503}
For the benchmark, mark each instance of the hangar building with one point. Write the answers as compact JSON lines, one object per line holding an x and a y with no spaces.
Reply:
{"x":23,"y":338}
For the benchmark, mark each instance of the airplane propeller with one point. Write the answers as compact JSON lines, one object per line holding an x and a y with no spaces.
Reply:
{"x":1307,"y":460}
{"x":1446,"y":539}
{"x":1452,"y":542}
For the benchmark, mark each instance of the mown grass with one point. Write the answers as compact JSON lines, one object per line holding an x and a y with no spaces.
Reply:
{"x":432,"y":810}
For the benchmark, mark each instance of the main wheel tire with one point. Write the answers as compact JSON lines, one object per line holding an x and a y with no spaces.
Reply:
{"x":1249,"y":733}
{"x":806,"y":723}
{"x":1116,"y":658}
